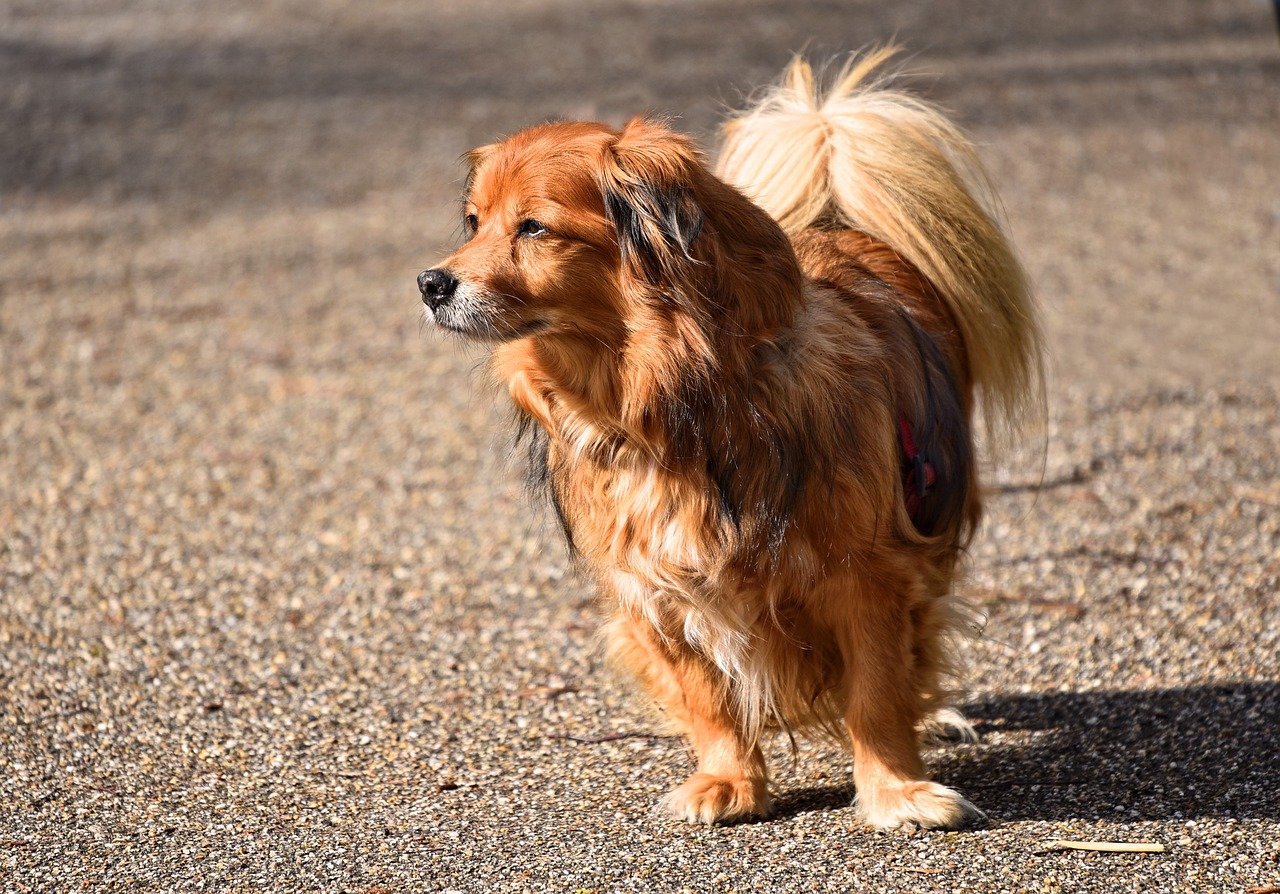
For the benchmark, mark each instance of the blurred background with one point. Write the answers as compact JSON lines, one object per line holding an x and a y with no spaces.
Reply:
{"x":272,"y":606}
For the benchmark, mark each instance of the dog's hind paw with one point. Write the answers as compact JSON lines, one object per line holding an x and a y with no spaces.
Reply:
{"x":918,"y":803}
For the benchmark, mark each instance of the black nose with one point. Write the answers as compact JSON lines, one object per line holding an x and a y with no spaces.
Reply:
{"x":436,"y":286}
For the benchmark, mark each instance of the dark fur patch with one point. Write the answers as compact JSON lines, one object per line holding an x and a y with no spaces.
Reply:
{"x":941,"y":433}
{"x":791,"y":463}
{"x":539,"y":482}
{"x":656,"y":226}
{"x":633,"y":238}
{"x":755,"y":499}
{"x":721,"y":475}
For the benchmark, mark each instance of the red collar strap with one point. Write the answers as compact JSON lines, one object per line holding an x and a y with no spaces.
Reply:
{"x":918,"y":474}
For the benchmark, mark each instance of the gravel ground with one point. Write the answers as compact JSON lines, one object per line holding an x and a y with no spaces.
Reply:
{"x":274,"y":615}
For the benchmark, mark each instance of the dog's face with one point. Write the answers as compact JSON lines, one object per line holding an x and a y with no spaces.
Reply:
{"x":560,"y":219}
{"x":540,"y":253}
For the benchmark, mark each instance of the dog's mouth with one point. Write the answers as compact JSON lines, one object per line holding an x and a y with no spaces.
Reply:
{"x":478,"y":326}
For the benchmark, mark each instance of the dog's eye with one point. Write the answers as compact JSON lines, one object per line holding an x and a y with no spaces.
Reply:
{"x":532,"y":228}
{"x":472,"y":223}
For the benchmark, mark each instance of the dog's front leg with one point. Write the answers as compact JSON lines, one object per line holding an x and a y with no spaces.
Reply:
{"x":731,"y":781}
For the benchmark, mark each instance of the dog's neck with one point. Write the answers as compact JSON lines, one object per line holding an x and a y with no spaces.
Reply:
{"x":650,"y":393}
{"x":589,"y":392}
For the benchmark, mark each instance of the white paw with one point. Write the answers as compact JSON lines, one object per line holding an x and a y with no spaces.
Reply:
{"x":948,"y":725}
{"x":919,"y":803}
{"x":704,"y":798}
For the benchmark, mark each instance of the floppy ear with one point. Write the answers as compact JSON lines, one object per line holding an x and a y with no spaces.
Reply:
{"x":649,"y":178}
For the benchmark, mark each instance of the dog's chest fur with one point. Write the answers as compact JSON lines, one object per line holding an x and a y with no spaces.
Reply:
{"x":630,"y":516}
{"x":658,"y":544}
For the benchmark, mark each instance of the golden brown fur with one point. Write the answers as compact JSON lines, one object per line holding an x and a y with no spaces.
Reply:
{"x":714,"y":404}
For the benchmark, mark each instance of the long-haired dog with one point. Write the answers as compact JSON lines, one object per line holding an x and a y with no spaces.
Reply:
{"x":749,"y":396}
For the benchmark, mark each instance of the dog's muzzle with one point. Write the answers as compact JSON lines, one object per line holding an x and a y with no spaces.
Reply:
{"x":437,"y":287}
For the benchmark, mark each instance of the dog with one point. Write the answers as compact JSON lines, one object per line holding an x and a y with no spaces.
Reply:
{"x":750,"y":397}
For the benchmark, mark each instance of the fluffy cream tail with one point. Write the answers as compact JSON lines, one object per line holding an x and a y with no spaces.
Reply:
{"x":891,"y":165}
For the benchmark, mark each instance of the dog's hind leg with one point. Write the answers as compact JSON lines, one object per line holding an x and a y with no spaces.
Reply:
{"x":731,"y":780}
{"x":883,"y":711}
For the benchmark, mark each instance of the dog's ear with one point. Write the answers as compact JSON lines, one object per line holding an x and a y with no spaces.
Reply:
{"x":649,"y":181}
{"x":473,"y":160}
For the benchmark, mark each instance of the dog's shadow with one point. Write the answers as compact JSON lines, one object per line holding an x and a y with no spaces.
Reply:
{"x":1165,"y":754}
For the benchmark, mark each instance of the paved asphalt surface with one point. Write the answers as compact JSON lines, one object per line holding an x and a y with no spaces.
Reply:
{"x":274,"y":615}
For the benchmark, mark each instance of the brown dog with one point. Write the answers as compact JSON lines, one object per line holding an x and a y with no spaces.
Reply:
{"x":752,"y":412}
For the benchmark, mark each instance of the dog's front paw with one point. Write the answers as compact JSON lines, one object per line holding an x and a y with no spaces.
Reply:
{"x":706,"y":798}
{"x":919,"y":803}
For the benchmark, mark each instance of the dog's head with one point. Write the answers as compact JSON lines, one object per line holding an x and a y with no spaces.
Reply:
{"x":575,"y":230}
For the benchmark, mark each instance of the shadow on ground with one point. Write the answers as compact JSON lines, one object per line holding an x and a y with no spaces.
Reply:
{"x":1163,"y":754}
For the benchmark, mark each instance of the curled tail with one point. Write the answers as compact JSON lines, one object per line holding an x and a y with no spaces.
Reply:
{"x":891,"y":165}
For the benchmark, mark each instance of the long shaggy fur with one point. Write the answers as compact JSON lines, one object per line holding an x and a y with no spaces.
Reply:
{"x":724,"y":399}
